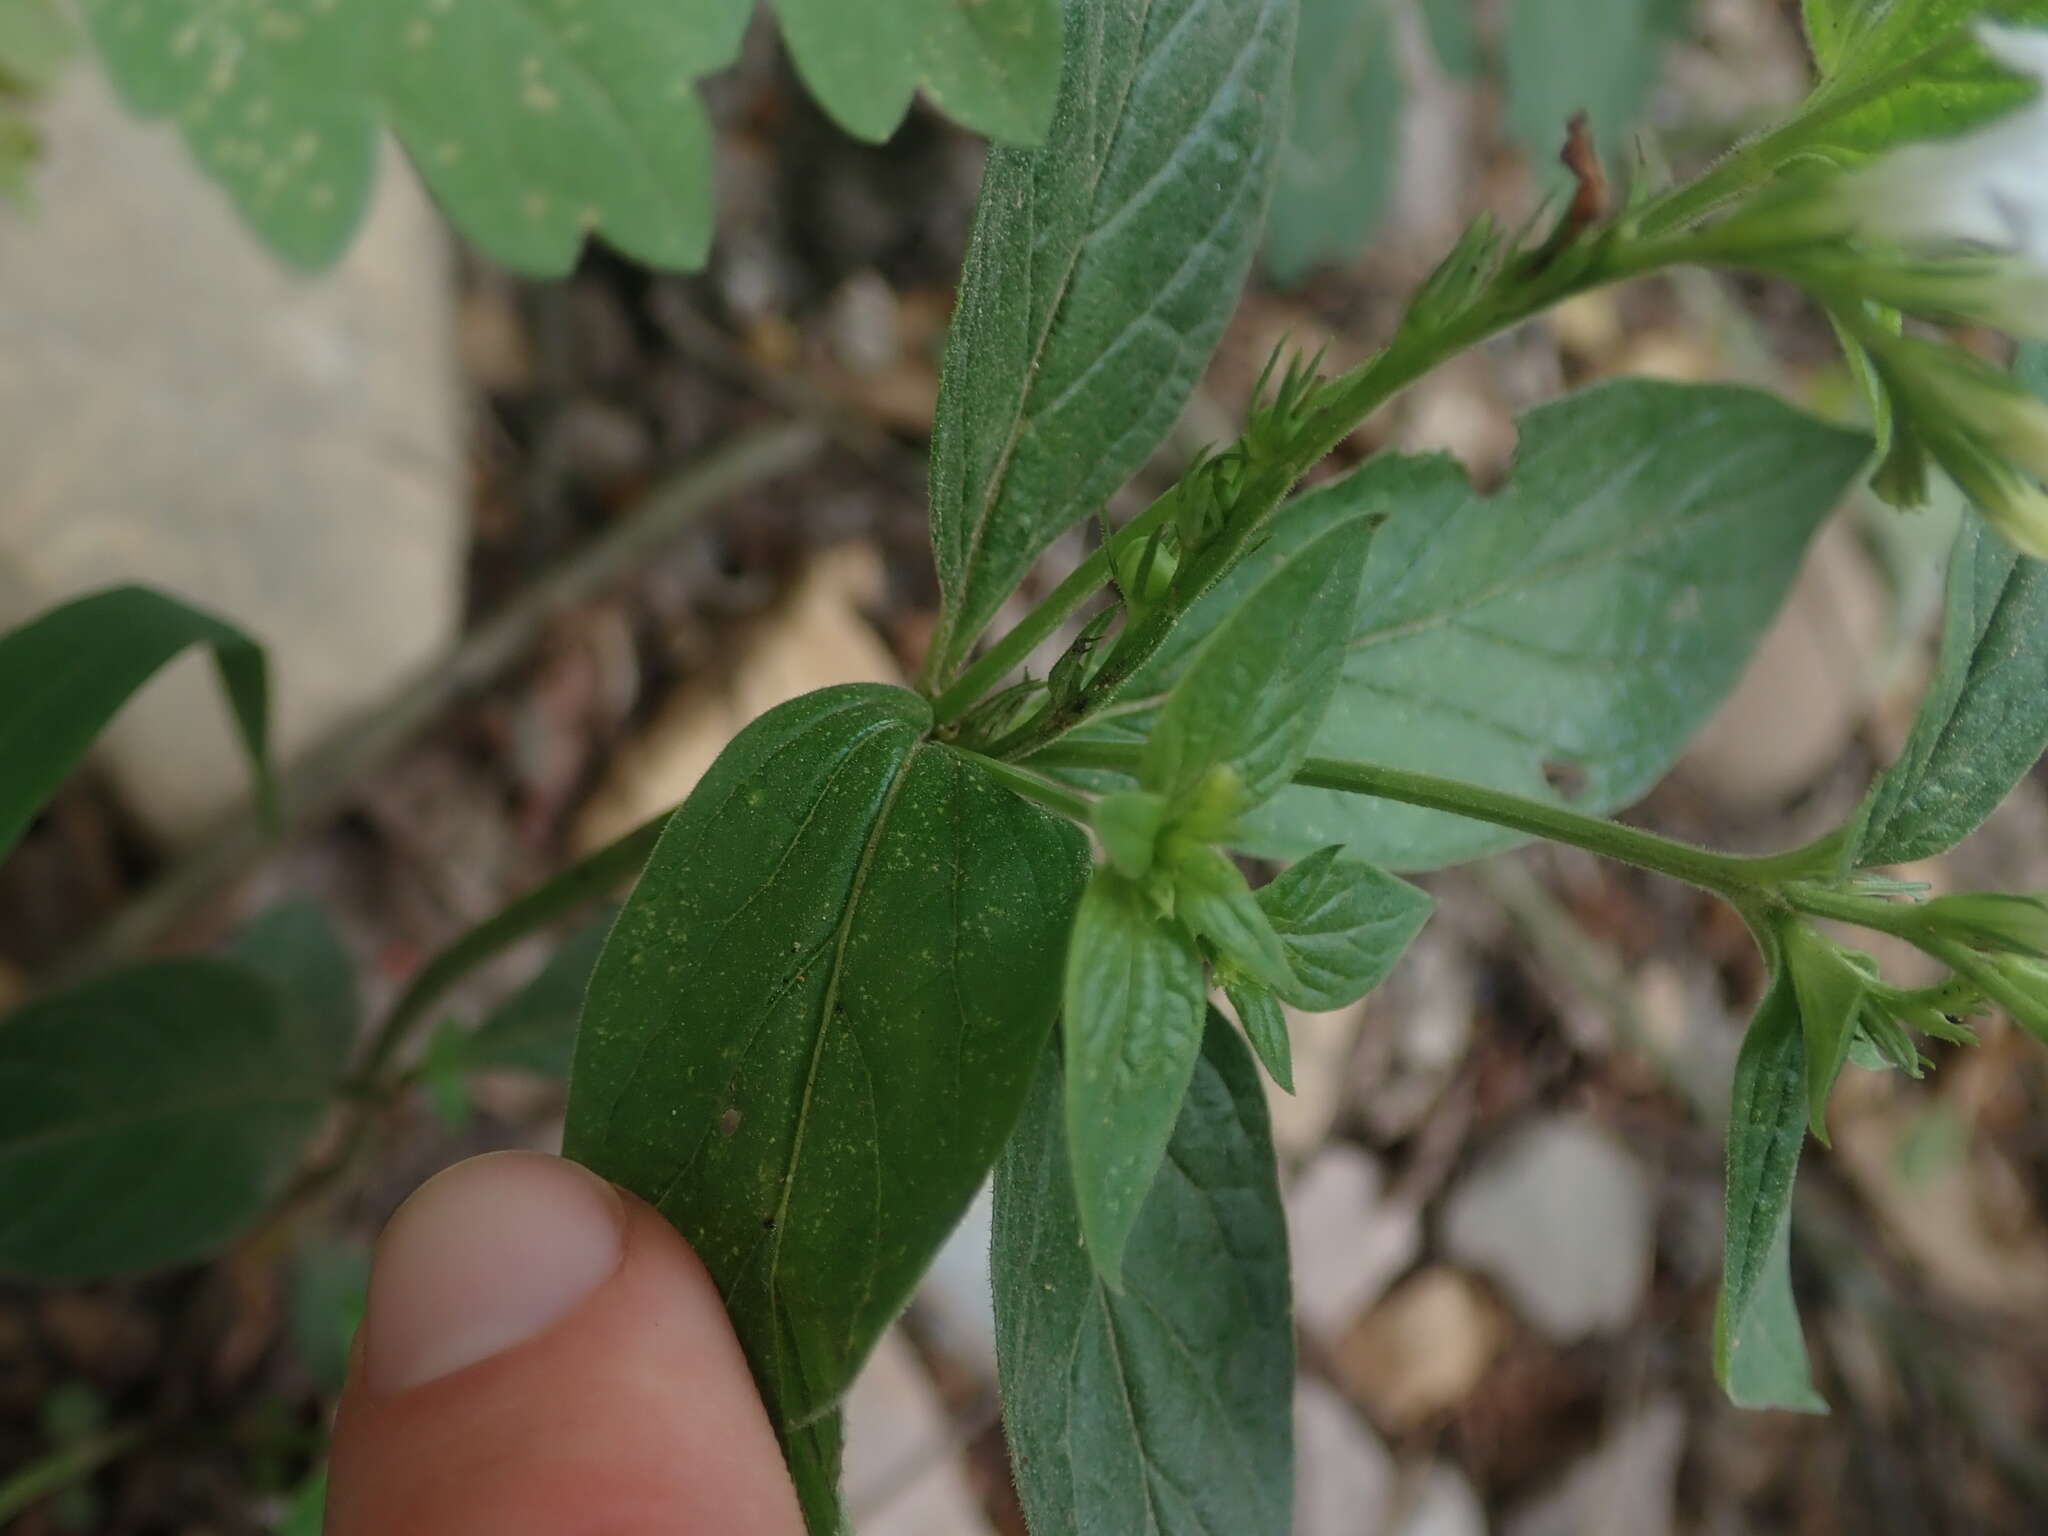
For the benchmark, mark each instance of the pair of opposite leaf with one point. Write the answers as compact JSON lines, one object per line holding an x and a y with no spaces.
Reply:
{"x":1233,"y":732}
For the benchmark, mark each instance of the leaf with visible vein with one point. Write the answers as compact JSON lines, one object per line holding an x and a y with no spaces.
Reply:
{"x":1562,"y":638}
{"x":1343,"y":924}
{"x":1758,"y":1353}
{"x":148,"y":1116}
{"x":1983,"y":723}
{"x":1166,"y":1408}
{"x":815,"y":1022}
{"x":1102,"y":268}
{"x":66,"y":673}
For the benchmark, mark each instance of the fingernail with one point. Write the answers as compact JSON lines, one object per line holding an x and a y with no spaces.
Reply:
{"x":484,"y":1256}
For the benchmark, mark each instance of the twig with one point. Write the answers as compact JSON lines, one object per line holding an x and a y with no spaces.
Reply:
{"x":326,"y":774}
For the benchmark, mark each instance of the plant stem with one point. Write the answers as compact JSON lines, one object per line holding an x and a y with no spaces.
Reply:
{"x":62,"y":1468}
{"x":1054,"y":797}
{"x":1515,"y":295}
{"x":1740,"y":879}
{"x":1082,"y":583}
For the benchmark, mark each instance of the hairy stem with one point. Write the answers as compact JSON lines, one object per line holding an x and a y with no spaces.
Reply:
{"x":1738,"y":878}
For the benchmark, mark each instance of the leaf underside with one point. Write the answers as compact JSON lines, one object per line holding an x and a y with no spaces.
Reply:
{"x":1562,"y":638}
{"x":1166,"y":1408}
{"x":1102,"y":268}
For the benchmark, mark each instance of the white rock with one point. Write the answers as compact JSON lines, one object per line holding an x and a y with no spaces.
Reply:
{"x":1343,"y":1477}
{"x":955,"y":1299}
{"x":903,"y":1475}
{"x":1349,"y":1242}
{"x":180,"y":409}
{"x":1628,"y":1487}
{"x":1560,"y":1217}
{"x":1444,"y":1505}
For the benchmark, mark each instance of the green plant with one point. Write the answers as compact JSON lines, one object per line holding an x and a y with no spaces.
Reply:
{"x":871,"y":958}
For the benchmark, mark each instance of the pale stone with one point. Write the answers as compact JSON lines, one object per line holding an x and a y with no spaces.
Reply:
{"x":955,"y":1300}
{"x":1560,"y":1217}
{"x":1420,"y":1352}
{"x":1349,"y":1241}
{"x":1343,"y":1477}
{"x":1321,"y":1046}
{"x":902,"y":1473}
{"x":180,"y":409}
{"x":1628,"y":1487}
{"x":1445,"y":1505}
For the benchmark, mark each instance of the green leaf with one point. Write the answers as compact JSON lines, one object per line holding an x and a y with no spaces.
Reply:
{"x":1343,"y":924}
{"x":1265,"y":1025}
{"x":1339,"y":162}
{"x":1129,"y":824}
{"x":1758,"y":1354}
{"x":1984,"y":720}
{"x":147,"y":1117}
{"x":993,"y":64}
{"x":533,"y":124}
{"x":815,"y":1022}
{"x":295,"y":947}
{"x":1212,"y":898}
{"x":1907,"y":69}
{"x":1562,"y":638}
{"x":1600,"y":57}
{"x":1100,"y":273}
{"x":36,"y":42}
{"x":1251,"y":699}
{"x":535,"y":1029}
{"x":65,"y":674}
{"x":1132,"y":1023}
{"x":1453,"y":35}
{"x":1829,"y":989}
{"x":1165,"y":1408}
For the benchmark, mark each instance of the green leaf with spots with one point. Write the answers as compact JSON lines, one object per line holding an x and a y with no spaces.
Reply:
{"x":1102,"y":268}
{"x":1562,"y":638}
{"x":1893,"y":71}
{"x":1167,"y":1407}
{"x":66,"y":673}
{"x":1758,"y":1353}
{"x":815,"y":1022}
{"x":534,"y":124}
{"x":1341,"y":157}
{"x":1343,"y":924}
{"x":993,"y":64}
{"x":1132,"y":1027}
{"x":147,"y":1117}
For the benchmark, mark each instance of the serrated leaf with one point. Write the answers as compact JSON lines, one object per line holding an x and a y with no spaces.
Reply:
{"x":534,"y":124}
{"x":1829,"y":991}
{"x":1250,"y":700}
{"x":1908,"y":70}
{"x":1343,"y":924}
{"x":815,"y":1022}
{"x":993,"y":64}
{"x":1265,"y":1026}
{"x":1134,"y":1001}
{"x":1599,"y":57}
{"x":1166,"y":1408}
{"x":147,"y":1117}
{"x":294,"y":946}
{"x":535,"y":1029}
{"x":1561,"y":638}
{"x":1758,"y":1354}
{"x":66,"y":673}
{"x":1983,"y":723}
{"x":1339,"y":162}
{"x":1102,"y":268}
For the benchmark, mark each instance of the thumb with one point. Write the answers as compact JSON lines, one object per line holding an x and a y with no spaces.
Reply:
{"x":543,"y":1356}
